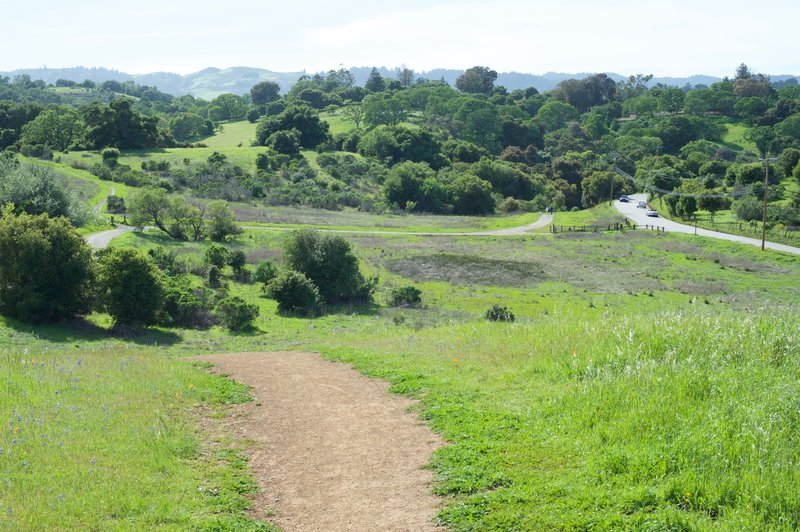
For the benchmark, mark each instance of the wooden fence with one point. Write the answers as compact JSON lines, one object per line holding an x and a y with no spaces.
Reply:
{"x":555,"y":229}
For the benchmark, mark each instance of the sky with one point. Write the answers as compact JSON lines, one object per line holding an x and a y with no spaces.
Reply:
{"x":664,"y":38}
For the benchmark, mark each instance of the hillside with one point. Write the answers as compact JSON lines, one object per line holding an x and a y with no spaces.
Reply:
{"x":211,"y":82}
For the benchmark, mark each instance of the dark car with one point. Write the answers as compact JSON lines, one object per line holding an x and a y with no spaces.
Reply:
{"x":624,"y":199}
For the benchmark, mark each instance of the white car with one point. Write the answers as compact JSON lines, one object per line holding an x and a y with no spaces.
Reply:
{"x":652,"y":212}
{"x":642,"y":204}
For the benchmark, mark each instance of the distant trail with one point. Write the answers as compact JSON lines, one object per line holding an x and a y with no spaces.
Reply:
{"x":543,"y":221}
{"x":640,"y":218}
{"x":99,"y":207}
{"x":102,"y":239}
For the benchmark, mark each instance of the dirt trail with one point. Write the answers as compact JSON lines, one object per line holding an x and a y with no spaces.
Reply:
{"x":333,"y":449}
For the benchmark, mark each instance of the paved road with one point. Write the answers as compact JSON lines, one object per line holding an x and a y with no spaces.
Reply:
{"x":639,"y":217}
{"x":102,"y":239}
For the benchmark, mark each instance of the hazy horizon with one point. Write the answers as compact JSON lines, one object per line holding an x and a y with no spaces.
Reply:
{"x":675,"y":39}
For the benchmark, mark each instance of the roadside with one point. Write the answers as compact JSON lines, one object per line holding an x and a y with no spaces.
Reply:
{"x":639,"y":217}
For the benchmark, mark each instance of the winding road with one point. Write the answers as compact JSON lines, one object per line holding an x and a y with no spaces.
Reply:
{"x":639,"y":217}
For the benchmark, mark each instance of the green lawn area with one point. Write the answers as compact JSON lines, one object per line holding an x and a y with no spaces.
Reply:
{"x":337,"y":122}
{"x":233,"y":134}
{"x":734,"y":137}
{"x":600,"y":215}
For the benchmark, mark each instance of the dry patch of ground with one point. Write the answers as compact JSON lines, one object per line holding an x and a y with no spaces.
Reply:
{"x":332,"y":449}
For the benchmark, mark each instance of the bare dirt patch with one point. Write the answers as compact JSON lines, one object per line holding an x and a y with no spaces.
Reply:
{"x":331,"y":449}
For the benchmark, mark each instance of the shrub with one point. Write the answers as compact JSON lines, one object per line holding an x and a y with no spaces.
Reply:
{"x":329,"y":262}
{"x":46,"y":270}
{"x":221,"y":221}
{"x":130,"y":287}
{"x":405,"y":295}
{"x":498,"y":313}
{"x":185,"y":306}
{"x":115,"y":205}
{"x":748,"y":208}
{"x":163,"y":258}
{"x":295,"y":294}
{"x":216,"y":255}
{"x":37,"y":190}
{"x":265,"y":271}
{"x":236,"y":260}
{"x":236,"y":314}
{"x":214,"y":277}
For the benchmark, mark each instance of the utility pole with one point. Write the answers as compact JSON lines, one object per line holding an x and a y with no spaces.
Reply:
{"x":613,"y":178}
{"x":766,"y":160}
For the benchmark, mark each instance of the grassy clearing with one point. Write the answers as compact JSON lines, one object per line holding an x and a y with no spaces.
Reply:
{"x":337,"y":122}
{"x":349,"y":219}
{"x":241,"y":156}
{"x":600,"y":215}
{"x":734,"y":138}
{"x":233,"y":134}
{"x":109,"y":439}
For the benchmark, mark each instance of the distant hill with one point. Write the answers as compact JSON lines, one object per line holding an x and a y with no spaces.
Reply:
{"x":212,"y":82}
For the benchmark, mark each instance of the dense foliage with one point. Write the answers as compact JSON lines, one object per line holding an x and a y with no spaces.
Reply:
{"x":46,"y":269}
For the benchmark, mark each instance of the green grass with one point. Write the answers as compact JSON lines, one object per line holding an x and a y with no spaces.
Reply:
{"x":649,"y":382}
{"x":734,"y":137}
{"x":602,"y":214}
{"x":338,"y":123}
{"x":233,"y":134}
{"x":241,"y":156}
{"x":110,"y":440}
{"x":576,"y":422}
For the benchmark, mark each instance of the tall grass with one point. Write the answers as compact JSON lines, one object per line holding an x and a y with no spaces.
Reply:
{"x":98,"y":439}
{"x":683,"y":420}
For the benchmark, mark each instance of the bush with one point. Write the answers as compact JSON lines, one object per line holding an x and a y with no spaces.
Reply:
{"x":214,"y":277}
{"x":498,"y":313}
{"x":216,"y":255}
{"x":164,"y":259}
{"x":236,"y":314}
{"x":130,"y":287}
{"x":265,"y":272}
{"x":295,"y":294}
{"x":37,"y":190}
{"x":236,"y":260}
{"x":748,"y":208}
{"x":46,"y":270}
{"x":329,"y":262}
{"x":405,"y":295}
{"x":184,"y":306}
{"x":115,"y":205}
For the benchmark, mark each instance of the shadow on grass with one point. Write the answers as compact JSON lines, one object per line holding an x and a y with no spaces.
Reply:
{"x":81,"y":330}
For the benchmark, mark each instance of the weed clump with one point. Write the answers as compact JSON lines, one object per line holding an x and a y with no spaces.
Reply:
{"x":498,"y":313}
{"x":405,"y":295}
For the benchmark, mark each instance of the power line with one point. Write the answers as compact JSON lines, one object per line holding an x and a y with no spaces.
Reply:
{"x":664,"y":192}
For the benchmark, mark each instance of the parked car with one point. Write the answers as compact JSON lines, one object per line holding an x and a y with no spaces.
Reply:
{"x":652,"y":212}
{"x":623,"y":199}
{"x":642,"y":204}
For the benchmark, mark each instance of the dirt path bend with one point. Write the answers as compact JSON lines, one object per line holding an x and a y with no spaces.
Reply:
{"x":333,"y":449}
